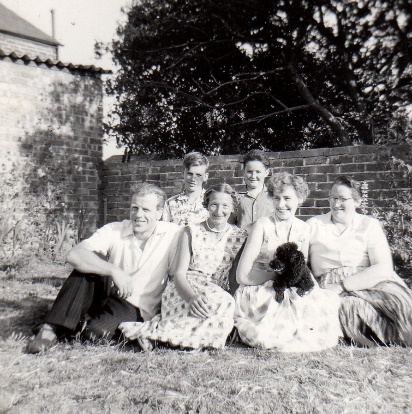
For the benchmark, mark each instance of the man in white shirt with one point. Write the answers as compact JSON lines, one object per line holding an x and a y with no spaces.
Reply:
{"x":120,"y":274}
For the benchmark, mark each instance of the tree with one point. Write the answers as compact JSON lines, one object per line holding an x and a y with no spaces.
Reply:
{"x":225,"y":77}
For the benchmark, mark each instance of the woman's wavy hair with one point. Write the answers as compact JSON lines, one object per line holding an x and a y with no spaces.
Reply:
{"x":354,"y":185}
{"x":221,"y":188}
{"x":278,"y":181}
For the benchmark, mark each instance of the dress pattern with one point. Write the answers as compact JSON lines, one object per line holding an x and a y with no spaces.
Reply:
{"x":207,"y":274}
{"x":297,"y":324}
{"x":178,"y":210}
{"x":379,"y":315}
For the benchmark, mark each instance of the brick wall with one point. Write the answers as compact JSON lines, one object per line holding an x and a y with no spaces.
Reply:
{"x":28,"y":47}
{"x":54,"y":114}
{"x":319,"y":166}
{"x":50,"y":111}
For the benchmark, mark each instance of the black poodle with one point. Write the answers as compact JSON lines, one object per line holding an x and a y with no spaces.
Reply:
{"x":292,"y":271}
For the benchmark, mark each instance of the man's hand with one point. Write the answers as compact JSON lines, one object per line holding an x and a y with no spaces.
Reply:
{"x":123,"y":282}
{"x":199,"y":307}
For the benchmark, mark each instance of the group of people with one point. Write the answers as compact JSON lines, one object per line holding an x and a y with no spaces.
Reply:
{"x":190,"y":271}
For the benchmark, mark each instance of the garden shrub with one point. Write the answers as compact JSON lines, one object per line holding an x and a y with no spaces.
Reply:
{"x":35,"y":219}
{"x":396,"y":218}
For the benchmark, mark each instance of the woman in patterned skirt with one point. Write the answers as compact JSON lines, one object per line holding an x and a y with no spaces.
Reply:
{"x":349,"y":254}
{"x":297,"y":324}
{"x":197,"y":310}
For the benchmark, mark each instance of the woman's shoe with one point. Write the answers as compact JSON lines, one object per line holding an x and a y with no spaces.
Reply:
{"x":146,"y":345}
{"x":43,"y":341}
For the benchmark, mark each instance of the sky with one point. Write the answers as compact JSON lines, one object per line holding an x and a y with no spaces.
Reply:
{"x":78,"y":25}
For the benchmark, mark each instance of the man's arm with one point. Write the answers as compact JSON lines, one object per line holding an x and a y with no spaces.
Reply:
{"x":85,"y":260}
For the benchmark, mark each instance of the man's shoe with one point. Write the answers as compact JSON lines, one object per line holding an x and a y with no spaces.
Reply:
{"x":43,"y":341}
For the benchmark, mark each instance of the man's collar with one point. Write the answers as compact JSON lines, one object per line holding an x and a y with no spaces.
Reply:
{"x":326,"y":219}
{"x":181,"y":196}
{"x":264,"y":190}
{"x":127,"y":229}
{"x":184,"y":196}
{"x":162,"y":227}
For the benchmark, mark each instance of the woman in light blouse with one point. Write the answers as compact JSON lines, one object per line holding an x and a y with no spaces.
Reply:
{"x":349,"y":254}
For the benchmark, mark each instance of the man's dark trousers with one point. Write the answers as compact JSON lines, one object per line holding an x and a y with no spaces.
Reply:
{"x":90,"y":297}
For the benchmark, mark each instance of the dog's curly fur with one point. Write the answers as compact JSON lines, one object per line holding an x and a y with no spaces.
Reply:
{"x":293,"y":271}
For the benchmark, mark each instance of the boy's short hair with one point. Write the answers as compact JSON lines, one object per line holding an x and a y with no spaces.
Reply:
{"x":195,"y":158}
{"x":256,"y":155}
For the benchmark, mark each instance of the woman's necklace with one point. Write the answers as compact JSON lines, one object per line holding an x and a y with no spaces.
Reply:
{"x":216,"y":231}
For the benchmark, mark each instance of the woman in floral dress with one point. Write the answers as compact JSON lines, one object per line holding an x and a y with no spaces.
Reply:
{"x":197,"y":310}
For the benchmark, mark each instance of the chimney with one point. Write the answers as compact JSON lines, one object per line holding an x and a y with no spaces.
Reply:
{"x":54,"y":31}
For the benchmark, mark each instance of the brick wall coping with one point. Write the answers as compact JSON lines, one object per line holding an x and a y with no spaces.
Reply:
{"x":321,"y":166}
{"x":54,"y":63}
{"x":150,"y":160}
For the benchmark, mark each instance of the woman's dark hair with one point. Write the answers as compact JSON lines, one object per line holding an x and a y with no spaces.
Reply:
{"x":220,"y":188}
{"x":349,"y":182}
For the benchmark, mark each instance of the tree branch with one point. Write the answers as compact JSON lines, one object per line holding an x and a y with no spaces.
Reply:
{"x":260,"y":118}
{"x":314,"y":103}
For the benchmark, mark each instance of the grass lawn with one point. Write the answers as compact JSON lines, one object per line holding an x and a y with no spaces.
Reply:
{"x":117,"y":378}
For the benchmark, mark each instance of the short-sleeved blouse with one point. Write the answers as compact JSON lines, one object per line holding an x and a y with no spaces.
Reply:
{"x":362,"y":240}
{"x":299,"y":233}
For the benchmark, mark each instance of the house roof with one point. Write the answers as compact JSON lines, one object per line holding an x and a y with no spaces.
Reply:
{"x":12,"y":24}
{"x":53,"y":63}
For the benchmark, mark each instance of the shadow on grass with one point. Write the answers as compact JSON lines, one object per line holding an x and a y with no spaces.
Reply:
{"x":54,"y":281}
{"x":22,"y":316}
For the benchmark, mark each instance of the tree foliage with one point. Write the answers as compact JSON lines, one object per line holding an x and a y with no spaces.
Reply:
{"x":225,"y":77}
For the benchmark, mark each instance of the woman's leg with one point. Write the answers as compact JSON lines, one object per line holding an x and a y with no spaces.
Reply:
{"x":394,"y":302}
{"x":363,"y":324}
{"x":382,"y":314}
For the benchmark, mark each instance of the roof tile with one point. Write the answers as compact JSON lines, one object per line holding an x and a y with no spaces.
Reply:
{"x":57,"y":63}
